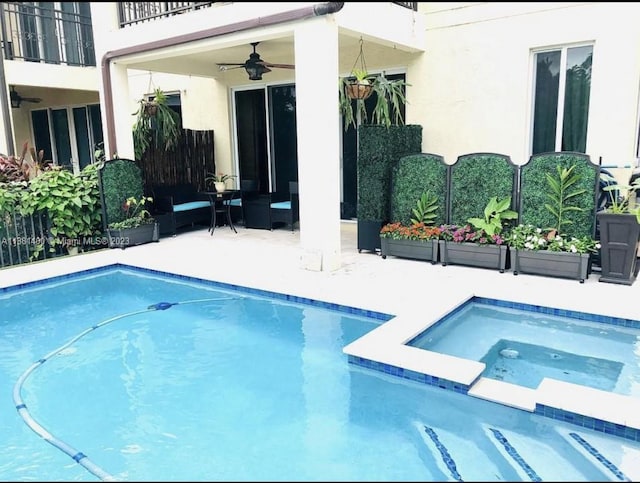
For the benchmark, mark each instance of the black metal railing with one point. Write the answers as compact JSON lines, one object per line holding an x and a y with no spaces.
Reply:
{"x":130,"y":13}
{"x":23,"y":239}
{"x":39,"y":32}
{"x":410,"y":5}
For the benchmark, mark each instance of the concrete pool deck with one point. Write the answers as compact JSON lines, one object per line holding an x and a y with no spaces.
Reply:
{"x":415,"y":292}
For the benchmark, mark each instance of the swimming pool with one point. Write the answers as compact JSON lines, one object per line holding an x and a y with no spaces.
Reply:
{"x":522,"y":344}
{"x":233,"y":384}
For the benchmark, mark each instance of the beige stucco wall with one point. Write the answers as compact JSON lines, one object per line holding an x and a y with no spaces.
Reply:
{"x":472,"y":88}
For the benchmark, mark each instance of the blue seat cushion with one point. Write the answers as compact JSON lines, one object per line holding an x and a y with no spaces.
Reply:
{"x":192,"y":205}
{"x":282,"y":205}
{"x":233,"y":202}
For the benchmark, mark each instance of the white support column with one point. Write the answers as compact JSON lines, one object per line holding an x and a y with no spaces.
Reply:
{"x":318,"y":126}
{"x":122,"y":109}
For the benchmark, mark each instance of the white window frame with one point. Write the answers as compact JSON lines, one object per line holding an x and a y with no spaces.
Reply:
{"x":561,"y":90}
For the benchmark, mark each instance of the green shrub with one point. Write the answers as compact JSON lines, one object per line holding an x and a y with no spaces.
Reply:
{"x":120,"y":179}
{"x":534,"y":189}
{"x":379,"y":149}
{"x":416,"y":174}
{"x":476,"y":178}
{"x":71,"y":202}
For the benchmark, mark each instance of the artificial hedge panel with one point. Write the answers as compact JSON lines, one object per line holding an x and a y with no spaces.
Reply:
{"x":414,"y":175}
{"x":119,"y":179}
{"x":379,"y":148}
{"x":475,"y":179}
{"x":534,"y":188}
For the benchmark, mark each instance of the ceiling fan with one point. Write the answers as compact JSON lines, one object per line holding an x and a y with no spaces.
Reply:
{"x":254,"y":65}
{"x":17,"y":99}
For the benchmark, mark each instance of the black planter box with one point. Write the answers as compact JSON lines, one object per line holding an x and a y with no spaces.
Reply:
{"x":474,"y":255}
{"x":551,"y":264}
{"x":127,"y":237}
{"x":414,"y":249}
{"x":369,"y":235}
{"x":619,"y":235}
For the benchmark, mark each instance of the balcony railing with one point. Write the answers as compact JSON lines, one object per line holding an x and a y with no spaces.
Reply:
{"x":38,"y":32}
{"x":137,"y":12}
{"x":131,"y":13}
{"x":410,"y":5}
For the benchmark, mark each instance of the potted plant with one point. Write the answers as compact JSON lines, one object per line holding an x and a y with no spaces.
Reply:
{"x":155,"y":123}
{"x":390,"y":96}
{"x":551,"y":251}
{"x":358,"y":85}
{"x":136,"y":227}
{"x":619,"y":225}
{"x":418,"y":240}
{"x":479,"y":243}
{"x":546,"y":252}
{"x":466,"y":245}
{"x":219,"y":180}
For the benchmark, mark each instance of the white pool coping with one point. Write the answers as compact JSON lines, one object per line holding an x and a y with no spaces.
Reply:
{"x":387,"y":345}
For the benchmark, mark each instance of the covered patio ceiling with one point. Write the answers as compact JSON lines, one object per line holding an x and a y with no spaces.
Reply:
{"x":201,"y":58}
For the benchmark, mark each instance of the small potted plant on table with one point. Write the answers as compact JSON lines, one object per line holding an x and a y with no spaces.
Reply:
{"x":219,"y":180}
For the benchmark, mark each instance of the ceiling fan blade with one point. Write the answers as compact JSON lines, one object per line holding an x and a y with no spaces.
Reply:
{"x":230,"y":66}
{"x":278,"y":66}
{"x":31,"y":99}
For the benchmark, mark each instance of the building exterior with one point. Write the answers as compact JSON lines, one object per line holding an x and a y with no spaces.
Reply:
{"x":511,"y":78}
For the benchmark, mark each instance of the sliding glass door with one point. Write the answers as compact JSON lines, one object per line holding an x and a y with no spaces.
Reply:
{"x":267,"y":144}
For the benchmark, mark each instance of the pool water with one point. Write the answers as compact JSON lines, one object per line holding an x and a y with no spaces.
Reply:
{"x":527,"y":364}
{"x":522,"y":345}
{"x":237,"y":385}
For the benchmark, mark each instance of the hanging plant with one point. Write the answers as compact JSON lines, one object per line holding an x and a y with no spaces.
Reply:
{"x":360,"y":85}
{"x":155,"y":123}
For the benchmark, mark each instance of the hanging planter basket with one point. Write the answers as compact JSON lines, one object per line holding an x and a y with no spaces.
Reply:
{"x":358,"y":90}
{"x":151,"y":108}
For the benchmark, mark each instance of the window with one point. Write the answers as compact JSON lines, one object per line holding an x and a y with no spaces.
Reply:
{"x":561,"y":99}
{"x":69,"y":135}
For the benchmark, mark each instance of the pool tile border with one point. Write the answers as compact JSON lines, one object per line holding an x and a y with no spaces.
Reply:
{"x":409,"y":374}
{"x":541,"y":309}
{"x":228,"y":286}
{"x":599,"y":457}
{"x":588,"y":422}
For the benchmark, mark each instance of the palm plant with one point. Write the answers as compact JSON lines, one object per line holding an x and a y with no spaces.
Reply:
{"x":561,"y":195}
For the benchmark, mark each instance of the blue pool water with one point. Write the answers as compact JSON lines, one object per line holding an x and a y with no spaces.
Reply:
{"x":237,"y":385}
{"x":521,"y":345}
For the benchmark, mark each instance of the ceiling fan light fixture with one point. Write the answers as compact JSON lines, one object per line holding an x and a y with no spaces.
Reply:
{"x":15,"y":98}
{"x":254,"y":65}
{"x":255,"y":71}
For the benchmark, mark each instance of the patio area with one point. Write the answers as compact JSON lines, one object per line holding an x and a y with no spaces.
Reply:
{"x":270,"y":260}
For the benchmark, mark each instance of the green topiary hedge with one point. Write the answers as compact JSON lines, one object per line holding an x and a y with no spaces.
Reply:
{"x":379,"y":149}
{"x":119,"y":180}
{"x":534,"y":188}
{"x":475,"y":179}
{"x":414,"y":175}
